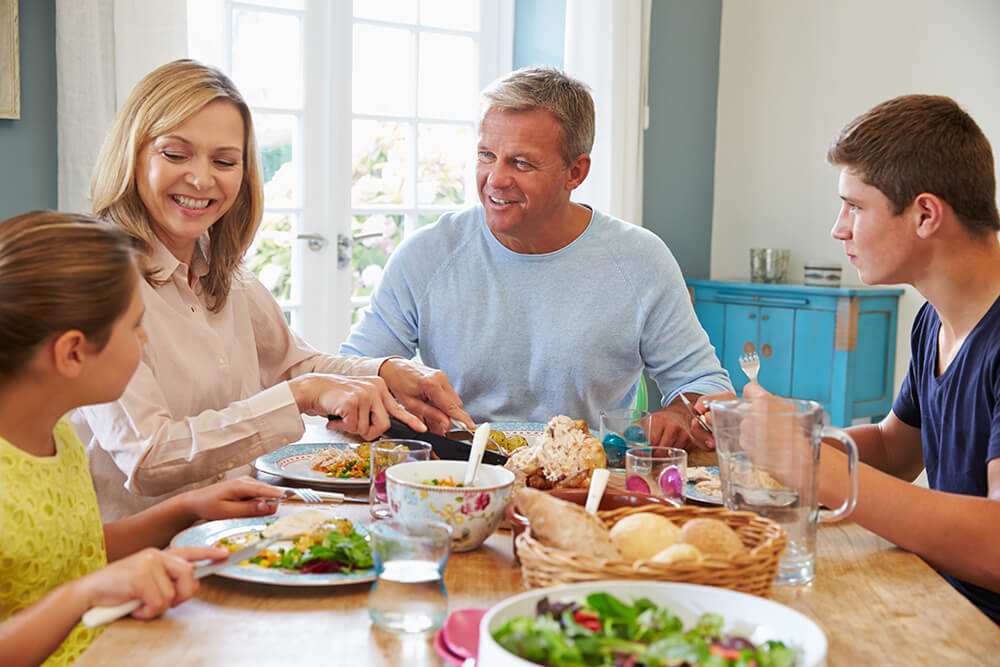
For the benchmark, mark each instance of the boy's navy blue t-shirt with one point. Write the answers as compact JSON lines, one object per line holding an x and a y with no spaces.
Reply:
{"x":958,"y":414}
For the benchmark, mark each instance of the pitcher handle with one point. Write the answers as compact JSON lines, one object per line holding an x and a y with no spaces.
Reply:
{"x":847,"y":507}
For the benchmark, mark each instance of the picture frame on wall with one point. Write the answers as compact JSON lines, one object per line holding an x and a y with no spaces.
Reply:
{"x":10,"y":66}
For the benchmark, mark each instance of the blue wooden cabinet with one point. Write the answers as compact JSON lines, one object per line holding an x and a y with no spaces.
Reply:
{"x":835,"y":346}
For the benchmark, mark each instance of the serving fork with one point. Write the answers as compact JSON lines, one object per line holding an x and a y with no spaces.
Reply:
{"x":750,"y":363}
{"x":459,"y":426}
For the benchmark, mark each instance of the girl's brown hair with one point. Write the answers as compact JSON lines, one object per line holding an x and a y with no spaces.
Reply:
{"x":58,"y":272}
{"x":162,"y":100}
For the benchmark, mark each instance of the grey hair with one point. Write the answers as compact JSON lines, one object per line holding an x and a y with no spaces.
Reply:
{"x":548,"y":88}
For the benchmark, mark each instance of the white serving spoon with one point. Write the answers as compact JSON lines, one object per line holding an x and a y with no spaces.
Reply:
{"x":476,"y":455}
{"x":598,"y":482}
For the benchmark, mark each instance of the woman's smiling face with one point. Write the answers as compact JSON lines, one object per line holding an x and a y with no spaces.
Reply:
{"x":189,"y":177}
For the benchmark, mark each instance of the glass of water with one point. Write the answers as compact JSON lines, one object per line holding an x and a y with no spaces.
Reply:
{"x":385,"y":454}
{"x":409,"y":594}
{"x":622,"y":428}
{"x":660,"y":471}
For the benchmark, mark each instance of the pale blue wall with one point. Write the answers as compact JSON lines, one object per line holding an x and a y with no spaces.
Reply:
{"x":539,"y":26}
{"x":679,"y":148}
{"x":28,"y":145}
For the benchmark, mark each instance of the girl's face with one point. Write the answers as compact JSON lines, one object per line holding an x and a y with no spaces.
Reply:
{"x":111,"y":369}
{"x":190,"y":177}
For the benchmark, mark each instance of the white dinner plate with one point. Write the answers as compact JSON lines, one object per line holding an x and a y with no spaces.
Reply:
{"x":755,"y":618}
{"x":208,"y":534}
{"x":292,"y":462}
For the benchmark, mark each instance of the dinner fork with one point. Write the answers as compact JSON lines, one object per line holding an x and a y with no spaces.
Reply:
{"x":750,"y":363}
{"x":313,"y":496}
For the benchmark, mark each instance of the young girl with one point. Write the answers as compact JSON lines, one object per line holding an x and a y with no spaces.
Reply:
{"x":71,"y":334}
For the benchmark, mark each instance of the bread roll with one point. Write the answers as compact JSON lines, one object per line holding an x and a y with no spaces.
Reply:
{"x":712,"y":537}
{"x":643,"y":535}
{"x":565,"y":525}
{"x":677,"y":553}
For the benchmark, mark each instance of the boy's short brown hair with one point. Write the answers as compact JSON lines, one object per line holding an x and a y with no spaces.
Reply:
{"x":923,"y":143}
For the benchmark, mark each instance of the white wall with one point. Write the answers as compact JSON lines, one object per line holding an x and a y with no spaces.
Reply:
{"x":791,"y":73}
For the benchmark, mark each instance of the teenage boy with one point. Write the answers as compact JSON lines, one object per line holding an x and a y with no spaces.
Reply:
{"x":919,"y":207}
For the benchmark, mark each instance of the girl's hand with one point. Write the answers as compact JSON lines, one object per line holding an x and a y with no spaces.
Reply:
{"x":238,"y":497}
{"x":363,"y":404}
{"x":158,"y":579}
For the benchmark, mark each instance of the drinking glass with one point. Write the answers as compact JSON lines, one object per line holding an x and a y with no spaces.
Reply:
{"x":408,"y":594}
{"x":660,"y":471}
{"x":622,"y":428}
{"x":769,"y":451}
{"x":385,"y":453}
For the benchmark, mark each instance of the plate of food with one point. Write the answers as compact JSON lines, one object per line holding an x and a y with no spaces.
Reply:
{"x":644,"y":622}
{"x":337,"y":464}
{"x":315,"y":549}
{"x":704,"y":485}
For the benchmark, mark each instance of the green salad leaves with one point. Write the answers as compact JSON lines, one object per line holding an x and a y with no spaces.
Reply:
{"x":605,"y":631}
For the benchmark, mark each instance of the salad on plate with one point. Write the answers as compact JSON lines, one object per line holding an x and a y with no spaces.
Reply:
{"x":603,"y":630}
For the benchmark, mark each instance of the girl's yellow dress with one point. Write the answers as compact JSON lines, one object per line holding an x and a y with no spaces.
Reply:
{"x":50,"y":529}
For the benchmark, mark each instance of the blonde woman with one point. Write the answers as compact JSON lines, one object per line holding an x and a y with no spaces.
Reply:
{"x":222,"y":379}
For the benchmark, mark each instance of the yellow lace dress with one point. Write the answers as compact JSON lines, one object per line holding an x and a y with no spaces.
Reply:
{"x":50,"y":529}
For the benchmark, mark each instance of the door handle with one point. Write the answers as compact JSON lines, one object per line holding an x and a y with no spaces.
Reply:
{"x":748,"y":347}
{"x":766,"y":351}
{"x":344,"y":244}
{"x":316,"y":241}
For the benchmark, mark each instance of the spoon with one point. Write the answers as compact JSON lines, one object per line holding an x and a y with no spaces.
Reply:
{"x":476,"y":455}
{"x":598,"y":482}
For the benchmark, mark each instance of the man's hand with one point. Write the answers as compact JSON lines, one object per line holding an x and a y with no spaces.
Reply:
{"x":669,"y":427}
{"x":426,"y":392}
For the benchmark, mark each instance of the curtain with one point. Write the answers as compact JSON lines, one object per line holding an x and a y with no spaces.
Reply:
{"x":103,"y":47}
{"x":607,"y":46}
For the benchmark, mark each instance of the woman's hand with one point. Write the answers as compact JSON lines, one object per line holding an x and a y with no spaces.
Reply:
{"x":363,"y":404}
{"x":158,"y":579}
{"x":238,"y":497}
{"x":426,"y":392}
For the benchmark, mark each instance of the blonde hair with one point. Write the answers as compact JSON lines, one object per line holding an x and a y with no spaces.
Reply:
{"x":549,"y":89}
{"x":162,"y":100}
{"x":59,"y":271}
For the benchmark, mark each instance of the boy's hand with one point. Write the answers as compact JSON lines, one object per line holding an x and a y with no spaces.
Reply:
{"x":238,"y":497}
{"x":698,"y":432}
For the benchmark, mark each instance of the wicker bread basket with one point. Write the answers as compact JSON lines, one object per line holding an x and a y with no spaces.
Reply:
{"x":752,"y":572}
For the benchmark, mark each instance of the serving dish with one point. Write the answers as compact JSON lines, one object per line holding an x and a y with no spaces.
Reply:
{"x":611,"y":500}
{"x":472,"y":512}
{"x":753,"y":617}
{"x":292,"y":462}
{"x":208,"y":534}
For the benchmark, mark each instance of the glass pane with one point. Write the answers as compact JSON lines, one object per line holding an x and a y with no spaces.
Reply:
{"x":281,"y":4}
{"x":456,"y":14}
{"x":382,"y":74}
{"x":369,"y":255}
{"x":444,"y":152}
{"x":448,"y":76}
{"x":267,"y":61}
{"x":397,"y":11}
{"x":270,"y":255}
{"x":380,"y":159}
{"x":277,"y":139}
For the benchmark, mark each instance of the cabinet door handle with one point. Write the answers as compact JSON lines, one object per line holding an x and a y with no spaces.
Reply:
{"x":765,"y":350}
{"x":748,"y":347}
{"x":752,"y":316}
{"x":763,"y":317}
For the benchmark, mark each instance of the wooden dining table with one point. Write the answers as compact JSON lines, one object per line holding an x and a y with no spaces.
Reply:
{"x":877,"y":604}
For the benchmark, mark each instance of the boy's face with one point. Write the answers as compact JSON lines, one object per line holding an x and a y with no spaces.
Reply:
{"x":878,"y":243}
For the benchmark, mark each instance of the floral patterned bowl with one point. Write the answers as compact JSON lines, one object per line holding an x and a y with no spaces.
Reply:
{"x":472,"y":512}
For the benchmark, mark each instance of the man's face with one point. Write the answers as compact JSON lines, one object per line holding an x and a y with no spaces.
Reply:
{"x":522,"y":178}
{"x":878,"y":243}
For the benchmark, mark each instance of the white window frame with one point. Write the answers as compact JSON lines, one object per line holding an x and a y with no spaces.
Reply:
{"x":325,"y":159}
